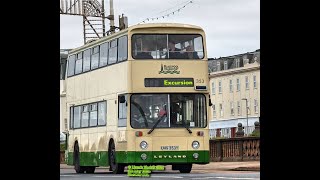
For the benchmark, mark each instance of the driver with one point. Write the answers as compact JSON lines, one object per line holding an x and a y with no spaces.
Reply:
{"x":137,"y":110}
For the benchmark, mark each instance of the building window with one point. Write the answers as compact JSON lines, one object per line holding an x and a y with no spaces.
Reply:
{"x":238,"y":84}
{"x":65,"y":124}
{"x":239,"y":108}
{"x":256,"y":106}
{"x":214,"y":110}
{"x":247,"y":82}
{"x":231,"y":87}
{"x":213,"y":88}
{"x":218,"y":66}
{"x":220,"y":87}
{"x":225,"y":65}
{"x":221,"y":110}
{"x":231,"y":109}
{"x":255,"y":81}
{"x":248,"y":107}
{"x":237,"y":63}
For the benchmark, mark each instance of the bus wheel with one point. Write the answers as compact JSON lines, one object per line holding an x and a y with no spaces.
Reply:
{"x":76,"y":160}
{"x":185,"y":168}
{"x":90,"y":169}
{"x":115,"y":167}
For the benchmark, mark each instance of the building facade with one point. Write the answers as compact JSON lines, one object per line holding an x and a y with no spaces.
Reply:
{"x":234,"y":85}
{"x":63,"y":118}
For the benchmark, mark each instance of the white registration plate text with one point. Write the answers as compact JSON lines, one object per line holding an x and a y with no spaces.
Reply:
{"x":170,"y":148}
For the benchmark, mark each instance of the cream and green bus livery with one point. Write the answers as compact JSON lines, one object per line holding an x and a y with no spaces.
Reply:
{"x":139,"y":97}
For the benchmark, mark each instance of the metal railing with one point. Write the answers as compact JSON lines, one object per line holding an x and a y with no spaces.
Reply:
{"x":235,"y":149}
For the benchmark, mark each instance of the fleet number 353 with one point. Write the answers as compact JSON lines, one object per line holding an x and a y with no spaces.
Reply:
{"x":199,"y":80}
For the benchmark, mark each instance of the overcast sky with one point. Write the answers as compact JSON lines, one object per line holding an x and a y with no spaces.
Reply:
{"x":231,"y":26}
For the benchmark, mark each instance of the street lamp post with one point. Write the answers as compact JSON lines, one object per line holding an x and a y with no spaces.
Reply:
{"x":246,"y":113}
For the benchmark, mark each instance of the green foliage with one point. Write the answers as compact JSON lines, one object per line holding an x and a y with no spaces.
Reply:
{"x":62,"y":147}
{"x":255,"y":134}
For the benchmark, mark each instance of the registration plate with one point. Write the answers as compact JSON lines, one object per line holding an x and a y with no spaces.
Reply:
{"x":170,"y":148}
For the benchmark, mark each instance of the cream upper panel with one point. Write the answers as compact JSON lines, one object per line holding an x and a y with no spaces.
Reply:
{"x":100,"y":82}
{"x":141,"y":69}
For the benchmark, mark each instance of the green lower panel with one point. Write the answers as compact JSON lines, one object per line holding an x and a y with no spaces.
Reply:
{"x":99,"y":158}
{"x":70,"y":158}
{"x":155,"y":157}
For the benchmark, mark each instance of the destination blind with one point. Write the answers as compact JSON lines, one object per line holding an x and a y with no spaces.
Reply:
{"x":168,"y":82}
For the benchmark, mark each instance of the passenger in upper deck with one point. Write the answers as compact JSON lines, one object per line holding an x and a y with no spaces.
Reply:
{"x":191,"y":54}
{"x":144,"y":54}
{"x":174,"y":53}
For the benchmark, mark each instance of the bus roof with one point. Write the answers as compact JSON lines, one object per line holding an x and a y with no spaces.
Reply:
{"x":159,"y":25}
{"x":138,"y":26}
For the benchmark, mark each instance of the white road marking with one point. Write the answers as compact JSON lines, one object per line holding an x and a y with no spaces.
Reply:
{"x":234,"y":178}
{"x":226,"y":178}
{"x":108,"y":176}
{"x":68,"y":175}
{"x":175,"y":177}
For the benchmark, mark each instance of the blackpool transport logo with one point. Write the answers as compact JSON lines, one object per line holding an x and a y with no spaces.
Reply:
{"x":169,"y":69}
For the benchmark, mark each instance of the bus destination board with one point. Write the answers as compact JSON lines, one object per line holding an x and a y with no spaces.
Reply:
{"x":168,"y":82}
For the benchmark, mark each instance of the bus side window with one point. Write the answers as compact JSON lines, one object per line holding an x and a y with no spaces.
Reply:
{"x":71,"y":65}
{"x":102,"y":113}
{"x":122,"y":110}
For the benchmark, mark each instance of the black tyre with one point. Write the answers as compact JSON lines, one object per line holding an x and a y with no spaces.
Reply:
{"x":185,"y":168}
{"x":90,"y":169}
{"x":76,"y":160}
{"x":115,"y":167}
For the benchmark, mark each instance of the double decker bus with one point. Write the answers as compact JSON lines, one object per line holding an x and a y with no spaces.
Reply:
{"x":139,"y":97}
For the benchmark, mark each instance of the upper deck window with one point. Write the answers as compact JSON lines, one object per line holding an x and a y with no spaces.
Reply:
{"x":71,"y":64}
{"x":122,"y":48}
{"x":86,"y":60}
{"x":79,"y":63}
{"x":95,"y":57}
{"x":167,"y":46}
{"x":103,"y":54}
{"x":113,"y":52}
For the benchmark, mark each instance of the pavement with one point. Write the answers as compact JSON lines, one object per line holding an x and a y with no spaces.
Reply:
{"x":212,"y":166}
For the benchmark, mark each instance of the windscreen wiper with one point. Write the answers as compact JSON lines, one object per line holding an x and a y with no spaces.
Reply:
{"x":186,"y":126}
{"x":155,"y":125}
{"x":142,"y":113}
{"x":188,"y":129}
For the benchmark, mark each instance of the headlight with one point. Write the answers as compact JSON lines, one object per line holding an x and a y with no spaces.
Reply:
{"x":195,"y":144}
{"x":143,"y":145}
